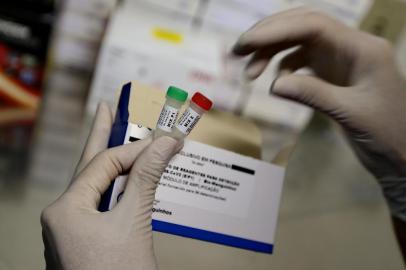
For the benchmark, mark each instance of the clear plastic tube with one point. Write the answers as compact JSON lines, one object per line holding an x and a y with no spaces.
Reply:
{"x":197,"y":107}
{"x":175,"y":97}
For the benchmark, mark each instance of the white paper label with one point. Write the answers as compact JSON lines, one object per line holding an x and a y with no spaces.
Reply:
{"x":167,"y":118}
{"x":200,"y":176}
{"x":187,"y":121}
{"x":209,"y":178}
{"x":215,"y":190}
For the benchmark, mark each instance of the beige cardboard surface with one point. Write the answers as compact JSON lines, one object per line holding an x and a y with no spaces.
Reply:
{"x":386,"y":19}
{"x":216,"y":128}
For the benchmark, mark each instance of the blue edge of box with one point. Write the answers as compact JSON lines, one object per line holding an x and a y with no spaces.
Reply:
{"x":117,"y":138}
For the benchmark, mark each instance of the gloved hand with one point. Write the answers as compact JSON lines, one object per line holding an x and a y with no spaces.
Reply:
{"x":355,"y":81}
{"x":76,"y":235}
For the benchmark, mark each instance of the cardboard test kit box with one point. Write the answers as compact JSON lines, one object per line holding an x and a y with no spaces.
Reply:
{"x":216,"y":189}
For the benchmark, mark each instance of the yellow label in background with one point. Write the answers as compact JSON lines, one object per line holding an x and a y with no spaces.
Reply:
{"x":167,"y":35}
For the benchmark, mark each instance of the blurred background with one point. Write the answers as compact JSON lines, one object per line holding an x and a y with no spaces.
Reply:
{"x":58,"y":59}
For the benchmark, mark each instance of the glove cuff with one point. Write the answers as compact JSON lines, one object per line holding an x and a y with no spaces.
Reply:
{"x":394,"y":191}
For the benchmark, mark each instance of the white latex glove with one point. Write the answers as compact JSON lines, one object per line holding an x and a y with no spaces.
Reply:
{"x":355,"y":81}
{"x":76,"y":235}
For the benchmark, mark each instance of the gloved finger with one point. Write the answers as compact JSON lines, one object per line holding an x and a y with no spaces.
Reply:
{"x":96,"y":177}
{"x":258,"y":64}
{"x":98,"y":137}
{"x":291,"y":62}
{"x":144,"y":177}
{"x":287,"y":31}
{"x":260,"y":60}
{"x":294,"y":61}
{"x":313,"y":92}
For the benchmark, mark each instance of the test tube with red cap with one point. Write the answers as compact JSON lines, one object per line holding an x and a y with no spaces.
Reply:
{"x":197,"y":107}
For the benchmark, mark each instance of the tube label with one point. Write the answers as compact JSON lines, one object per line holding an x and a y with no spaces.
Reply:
{"x":187,"y":121}
{"x":167,"y":118}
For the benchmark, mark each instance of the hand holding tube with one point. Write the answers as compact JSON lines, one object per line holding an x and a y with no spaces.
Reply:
{"x":76,"y":235}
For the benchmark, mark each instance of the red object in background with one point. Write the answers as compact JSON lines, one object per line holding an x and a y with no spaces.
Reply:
{"x":24,"y":71}
{"x":3,"y":53}
{"x":25,"y":30}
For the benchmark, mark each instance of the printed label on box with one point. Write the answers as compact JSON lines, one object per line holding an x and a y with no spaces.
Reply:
{"x":215,"y":195}
{"x":208,"y":182}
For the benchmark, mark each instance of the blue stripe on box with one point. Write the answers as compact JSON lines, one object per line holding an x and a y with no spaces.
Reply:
{"x":166,"y":227}
{"x":119,"y":127}
{"x":117,"y":136}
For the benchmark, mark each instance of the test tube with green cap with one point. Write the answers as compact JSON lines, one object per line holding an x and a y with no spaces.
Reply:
{"x":175,"y":97}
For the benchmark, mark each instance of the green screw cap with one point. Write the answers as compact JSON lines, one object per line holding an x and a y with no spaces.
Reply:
{"x":176,"y":93}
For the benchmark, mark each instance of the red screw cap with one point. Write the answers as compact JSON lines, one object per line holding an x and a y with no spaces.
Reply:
{"x":202,"y":101}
